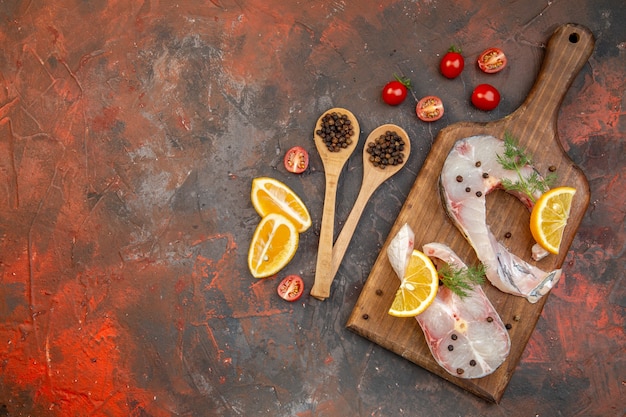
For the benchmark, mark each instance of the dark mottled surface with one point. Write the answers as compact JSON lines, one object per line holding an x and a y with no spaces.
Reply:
{"x":129,"y":135}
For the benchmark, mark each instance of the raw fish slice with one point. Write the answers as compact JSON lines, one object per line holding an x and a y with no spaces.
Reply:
{"x":465,"y":335}
{"x":463,"y":169}
{"x":400,"y":249}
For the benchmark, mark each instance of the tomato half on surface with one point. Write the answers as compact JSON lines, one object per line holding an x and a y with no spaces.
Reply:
{"x":485,"y":97}
{"x":429,"y":109}
{"x":492,"y":60}
{"x":291,"y":288}
{"x":296,"y":160}
{"x":452,"y":63}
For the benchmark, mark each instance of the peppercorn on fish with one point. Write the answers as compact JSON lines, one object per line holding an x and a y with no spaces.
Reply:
{"x":470,"y":171}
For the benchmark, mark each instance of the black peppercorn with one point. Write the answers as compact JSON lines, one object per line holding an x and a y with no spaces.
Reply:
{"x":336,"y":131}
{"x":472,"y":362}
{"x":450,"y":348}
{"x":478,"y":164}
{"x":467,"y":189}
{"x":459,"y":178}
{"x":479,"y":193}
{"x":459,"y":371}
{"x":489,"y":319}
{"x":508,"y":326}
{"x":508,"y":235}
{"x":454,"y":337}
{"x":485,"y":175}
{"x":387,"y":149}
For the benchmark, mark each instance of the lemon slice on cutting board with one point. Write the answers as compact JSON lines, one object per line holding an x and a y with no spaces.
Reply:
{"x":549,"y":217}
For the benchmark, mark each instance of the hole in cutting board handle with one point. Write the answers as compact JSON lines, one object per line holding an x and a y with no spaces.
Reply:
{"x":574,"y":37}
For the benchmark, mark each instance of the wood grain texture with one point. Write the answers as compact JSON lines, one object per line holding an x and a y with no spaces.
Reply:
{"x":534,"y":123}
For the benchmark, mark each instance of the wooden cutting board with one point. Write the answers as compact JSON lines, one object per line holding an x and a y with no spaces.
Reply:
{"x":534,"y":124}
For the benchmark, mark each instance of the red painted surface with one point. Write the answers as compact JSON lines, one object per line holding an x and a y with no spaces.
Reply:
{"x":129,"y":134}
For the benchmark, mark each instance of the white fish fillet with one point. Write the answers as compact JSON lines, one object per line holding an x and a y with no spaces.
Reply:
{"x":465,"y":335}
{"x":463,"y":169}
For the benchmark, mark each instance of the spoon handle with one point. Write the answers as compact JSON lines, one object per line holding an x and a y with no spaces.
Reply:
{"x":345,"y":236}
{"x":323,"y":278}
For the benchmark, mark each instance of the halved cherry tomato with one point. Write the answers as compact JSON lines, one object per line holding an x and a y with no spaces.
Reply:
{"x":492,"y":60}
{"x":485,"y":97}
{"x":291,"y":288}
{"x":296,"y":160}
{"x":395,"y":92}
{"x":452,"y":63}
{"x":429,"y":109}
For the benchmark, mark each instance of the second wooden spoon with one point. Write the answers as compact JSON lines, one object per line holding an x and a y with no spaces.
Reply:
{"x":373,"y":177}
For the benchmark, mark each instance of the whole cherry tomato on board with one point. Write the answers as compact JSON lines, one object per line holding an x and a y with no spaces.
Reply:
{"x":492,"y":60}
{"x":485,"y":97}
{"x":296,"y":160}
{"x":452,"y":63}
{"x":395,"y":91}
{"x":429,"y":109}
{"x":291,"y":288}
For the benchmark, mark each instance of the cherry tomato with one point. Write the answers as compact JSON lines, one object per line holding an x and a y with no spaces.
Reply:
{"x":291,"y":288}
{"x":395,"y":91}
{"x":452,"y":63}
{"x":485,"y":97}
{"x":296,"y":160}
{"x":492,"y":60}
{"x":429,"y":109}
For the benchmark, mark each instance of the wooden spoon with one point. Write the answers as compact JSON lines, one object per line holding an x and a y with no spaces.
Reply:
{"x":373,"y":177}
{"x":333,"y":165}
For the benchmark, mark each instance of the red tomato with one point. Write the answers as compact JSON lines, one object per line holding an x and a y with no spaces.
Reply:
{"x":485,"y":97}
{"x":291,"y":288}
{"x":429,"y":109}
{"x":395,"y":92}
{"x":492,"y":60}
{"x":296,"y":160}
{"x":452,"y":63}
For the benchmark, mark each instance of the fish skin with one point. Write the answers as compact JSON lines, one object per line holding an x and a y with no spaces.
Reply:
{"x":480,"y":335}
{"x":468,"y":212}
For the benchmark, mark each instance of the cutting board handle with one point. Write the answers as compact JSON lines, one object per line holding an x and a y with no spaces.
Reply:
{"x":567,"y":52}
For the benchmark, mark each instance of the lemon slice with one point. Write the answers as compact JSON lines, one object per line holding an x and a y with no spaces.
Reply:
{"x":418,"y":288}
{"x":549,"y":217}
{"x":272,"y":196}
{"x":273,"y":245}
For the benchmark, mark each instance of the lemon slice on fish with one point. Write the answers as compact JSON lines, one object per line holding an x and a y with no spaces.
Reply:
{"x":418,"y":287}
{"x":549,"y":217}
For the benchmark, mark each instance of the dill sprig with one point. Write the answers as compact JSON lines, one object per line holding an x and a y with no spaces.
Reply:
{"x":461,"y":280}
{"x":515,"y":158}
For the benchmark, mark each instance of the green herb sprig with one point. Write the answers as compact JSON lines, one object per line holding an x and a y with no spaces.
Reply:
{"x":515,"y":158}
{"x":461,"y":280}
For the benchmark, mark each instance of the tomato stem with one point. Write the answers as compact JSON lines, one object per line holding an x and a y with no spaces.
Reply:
{"x":404,"y":80}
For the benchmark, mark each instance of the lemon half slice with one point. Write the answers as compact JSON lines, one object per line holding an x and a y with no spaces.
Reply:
{"x":549,"y":217}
